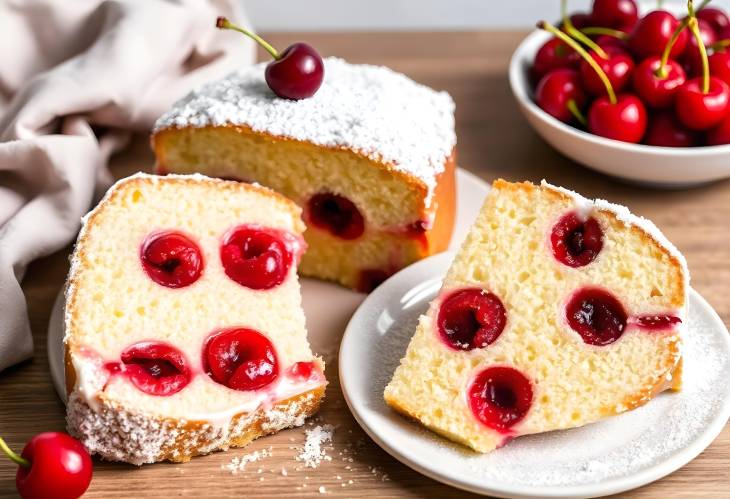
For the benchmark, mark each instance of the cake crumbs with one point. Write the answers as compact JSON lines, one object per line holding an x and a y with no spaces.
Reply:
{"x":239,"y":463}
{"x":313,"y":453}
{"x":322,"y":489}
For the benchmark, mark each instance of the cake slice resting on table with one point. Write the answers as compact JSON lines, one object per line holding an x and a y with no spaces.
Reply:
{"x":556,"y":312}
{"x":369,"y":158}
{"x":184,"y":327}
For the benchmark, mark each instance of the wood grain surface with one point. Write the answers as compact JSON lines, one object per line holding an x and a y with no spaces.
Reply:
{"x":494,"y":141}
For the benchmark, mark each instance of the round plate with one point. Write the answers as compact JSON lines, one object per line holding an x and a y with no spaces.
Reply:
{"x":325,"y":325}
{"x":614,"y":455}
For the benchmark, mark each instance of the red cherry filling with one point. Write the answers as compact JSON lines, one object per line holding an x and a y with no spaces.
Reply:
{"x":241,"y":359}
{"x":256,"y":258}
{"x":471,"y":318}
{"x":597,"y":316}
{"x":657,"y":322}
{"x":156,"y":368}
{"x":171,"y":259}
{"x":500,"y":397}
{"x":303,"y":371}
{"x":336,"y":214}
{"x":576,"y":243}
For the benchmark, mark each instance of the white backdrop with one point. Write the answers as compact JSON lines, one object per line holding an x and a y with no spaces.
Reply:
{"x":285,"y":15}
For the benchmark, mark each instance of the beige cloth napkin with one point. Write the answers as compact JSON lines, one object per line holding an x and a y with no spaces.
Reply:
{"x":75,"y":78}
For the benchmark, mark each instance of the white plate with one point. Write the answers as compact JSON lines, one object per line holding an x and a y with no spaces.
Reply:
{"x":614,"y":455}
{"x":325,"y":324}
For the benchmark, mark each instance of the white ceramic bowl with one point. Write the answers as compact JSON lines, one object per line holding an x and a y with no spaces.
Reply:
{"x":668,"y":167}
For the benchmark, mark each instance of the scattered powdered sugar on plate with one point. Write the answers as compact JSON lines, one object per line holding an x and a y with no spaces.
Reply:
{"x":239,"y":463}
{"x":313,"y":452}
{"x":369,"y":109}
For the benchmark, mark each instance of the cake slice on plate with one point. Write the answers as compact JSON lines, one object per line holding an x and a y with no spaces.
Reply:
{"x":369,"y":157}
{"x":184,"y":327}
{"x":556,"y":312}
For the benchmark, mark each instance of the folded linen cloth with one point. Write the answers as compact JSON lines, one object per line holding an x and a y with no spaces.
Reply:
{"x":75,"y":79}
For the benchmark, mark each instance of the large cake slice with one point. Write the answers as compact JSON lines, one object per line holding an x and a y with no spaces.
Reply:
{"x":369,"y":157}
{"x":184,"y":327}
{"x":555,"y":313}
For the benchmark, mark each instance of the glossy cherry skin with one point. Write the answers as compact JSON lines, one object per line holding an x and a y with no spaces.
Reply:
{"x":691,"y":58}
{"x":699,"y":111}
{"x":60,"y":468}
{"x":720,"y":135}
{"x":579,"y":20}
{"x":576,"y":242}
{"x":171,"y":259}
{"x":656,"y":92}
{"x":652,"y":33}
{"x":500,"y":397}
{"x":297,"y":73}
{"x":471,"y":318}
{"x":256,"y":257}
{"x":156,"y":368}
{"x":597,"y":316}
{"x":720,"y":66}
{"x":617,"y":14}
{"x":241,"y":359}
{"x":335,"y":214}
{"x":556,"y":89}
{"x":554,"y":54}
{"x":618,"y":67}
{"x":716,"y":18}
{"x":666,"y":131}
{"x":626,"y":120}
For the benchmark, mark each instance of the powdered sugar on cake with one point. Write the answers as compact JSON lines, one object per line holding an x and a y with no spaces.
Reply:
{"x":369,"y":109}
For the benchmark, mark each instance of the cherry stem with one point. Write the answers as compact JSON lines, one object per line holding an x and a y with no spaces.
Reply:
{"x":720,"y":44}
{"x":694,"y":28}
{"x":585,"y":55}
{"x":223,"y":23}
{"x":17,"y":459}
{"x":572,"y":31}
{"x":573,"y":108}
{"x":661,"y":71}
{"x":597,"y":30}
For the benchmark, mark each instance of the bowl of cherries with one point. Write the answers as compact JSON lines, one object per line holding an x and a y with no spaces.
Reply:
{"x":641,"y":94}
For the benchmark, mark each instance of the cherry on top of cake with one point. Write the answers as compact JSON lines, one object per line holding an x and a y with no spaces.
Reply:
{"x":371,"y":110}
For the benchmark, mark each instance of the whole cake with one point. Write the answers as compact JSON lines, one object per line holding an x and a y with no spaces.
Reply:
{"x":184,"y":327}
{"x":369,"y":158}
{"x":556,"y":312}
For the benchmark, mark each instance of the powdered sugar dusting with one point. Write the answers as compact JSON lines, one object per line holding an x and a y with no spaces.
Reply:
{"x":369,"y":109}
{"x":313,"y":452}
{"x":239,"y":463}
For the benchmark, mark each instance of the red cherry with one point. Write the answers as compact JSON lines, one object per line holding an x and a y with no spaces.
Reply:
{"x":556,"y":90}
{"x":295,"y":73}
{"x":471,"y":318}
{"x":256,"y":257}
{"x":304,"y":371}
{"x":652,"y":33}
{"x":171,"y":259}
{"x":720,"y":66}
{"x":657,"y":322}
{"x":500,"y":397}
{"x":658,"y":91}
{"x":625,"y":120}
{"x":596,"y":315}
{"x":156,"y":368}
{"x":716,"y":18}
{"x":617,"y":14}
{"x":52,"y":465}
{"x":575,"y":242}
{"x":554,"y":54}
{"x":241,"y":359}
{"x":336,"y":214}
{"x":698,"y":110}
{"x":618,"y":67}
{"x":719,"y":135}
{"x":691,"y":58}
{"x":580,"y":19}
{"x":666,"y":131}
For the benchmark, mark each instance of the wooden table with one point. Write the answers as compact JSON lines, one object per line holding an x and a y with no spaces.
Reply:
{"x":494,"y":141}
